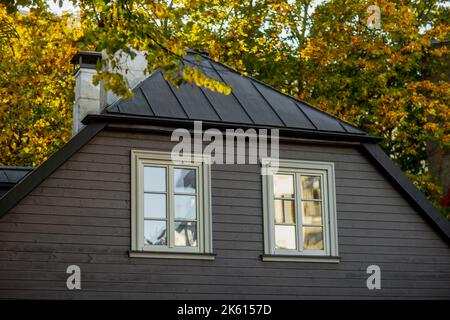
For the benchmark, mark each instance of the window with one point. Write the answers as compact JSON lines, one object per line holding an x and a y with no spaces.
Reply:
{"x":299,"y":211}
{"x":170,"y":207}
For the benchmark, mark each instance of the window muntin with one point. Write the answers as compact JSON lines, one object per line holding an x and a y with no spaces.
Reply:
{"x":286,"y":199}
{"x":159,"y":203}
{"x":171,"y":204}
{"x":155,"y":205}
{"x":299,"y":204}
{"x":185,"y":207}
{"x":312,"y":211}
{"x":284,"y":209}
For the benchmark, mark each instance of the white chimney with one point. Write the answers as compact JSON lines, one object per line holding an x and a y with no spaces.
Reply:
{"x":87,"y":96}
{"x":133,"y":70}
{"x":90,"y":99}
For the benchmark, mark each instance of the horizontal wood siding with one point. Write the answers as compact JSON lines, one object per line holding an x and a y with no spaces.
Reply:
{"x":81,"y":215}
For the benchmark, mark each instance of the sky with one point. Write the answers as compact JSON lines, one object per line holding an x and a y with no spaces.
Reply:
{"x":68,"y":6}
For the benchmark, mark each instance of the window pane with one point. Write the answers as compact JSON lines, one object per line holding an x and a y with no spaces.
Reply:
{"x":312,"y":212}
{"x":154,"y":205}
{"x":283,"y":185}
{"x":184,"y":180}
{"x":155,"y":232}
{"x":312,"y":238}
{"x":186,"y":234}
{"x":310,"y":187}
{"x":155,"y":179}
{"x":185,"y":207}
{"x":285,"y":237}
{"x":284,"y":211}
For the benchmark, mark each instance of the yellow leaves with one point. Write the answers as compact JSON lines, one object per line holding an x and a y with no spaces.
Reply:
{"x":308,"y":52}
{"x":196,"y":76}
{"x":159,"y":9}
{"x":36,"y":88}
{"x":41,"y":123}
{"x":114,"y":82}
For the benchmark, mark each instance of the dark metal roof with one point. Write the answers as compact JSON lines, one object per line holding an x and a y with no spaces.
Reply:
{"x":9,"y":176}
{"x":409,"y":190}
{"x":251,"y":103}
{"x":40,"y":173}
{"x":13,"y":174}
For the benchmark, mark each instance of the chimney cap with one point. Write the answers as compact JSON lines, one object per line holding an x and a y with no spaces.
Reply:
{"x":86,"y":59}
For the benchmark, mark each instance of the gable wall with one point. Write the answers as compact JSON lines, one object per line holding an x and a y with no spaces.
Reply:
{"x":81,"y":215}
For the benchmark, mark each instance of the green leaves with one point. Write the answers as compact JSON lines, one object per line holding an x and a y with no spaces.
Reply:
{"x":375,"y":79}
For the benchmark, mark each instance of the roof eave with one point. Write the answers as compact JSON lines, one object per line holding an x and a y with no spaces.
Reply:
{"x":40,"y":173}
{"x":188,"y":123}
{"x":410,"y":191}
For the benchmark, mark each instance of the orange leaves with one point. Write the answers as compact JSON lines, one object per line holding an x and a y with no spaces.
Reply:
{"x":376,"y":78}
{"x":431,"y":126}
{"x":315,"y":50}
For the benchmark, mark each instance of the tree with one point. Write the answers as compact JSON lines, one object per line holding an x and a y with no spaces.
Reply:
{"x":36,"y":86}
{"x":376,"y":79}
{"x":373,"y":78}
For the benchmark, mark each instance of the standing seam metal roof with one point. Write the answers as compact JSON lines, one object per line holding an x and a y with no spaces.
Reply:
{"x":250,"y":102}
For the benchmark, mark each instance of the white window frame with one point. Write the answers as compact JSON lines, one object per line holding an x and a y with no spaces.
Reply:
{"x":200,"y":163}
{"x":298,"y":167}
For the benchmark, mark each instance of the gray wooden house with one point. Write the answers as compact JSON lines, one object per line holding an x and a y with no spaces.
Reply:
{"x":112,"y":202}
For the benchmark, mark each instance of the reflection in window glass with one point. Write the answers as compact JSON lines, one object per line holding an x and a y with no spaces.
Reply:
{"x":284,"y":211}
{"x":186,"y":234}
{"x":311,"y":187}
{"x":312,"y":212}
{"x":283,"y":186}
{"x":184,"y":180}
{"x":155,"y":205}
{"x":312,"y":238}
{"x":155,"y":232}
{"x":185,"y":207}
{"x":285,"y":237}
{"x":155,"y":179}
{"x":300,"y":209}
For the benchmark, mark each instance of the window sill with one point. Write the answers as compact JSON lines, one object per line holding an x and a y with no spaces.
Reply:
{"x":292,"y":258}
{"x":172,"y":255}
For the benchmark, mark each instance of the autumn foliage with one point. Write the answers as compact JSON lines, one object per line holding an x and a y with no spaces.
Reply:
{"x":36,"y":87}
{"x":391,"y":81}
